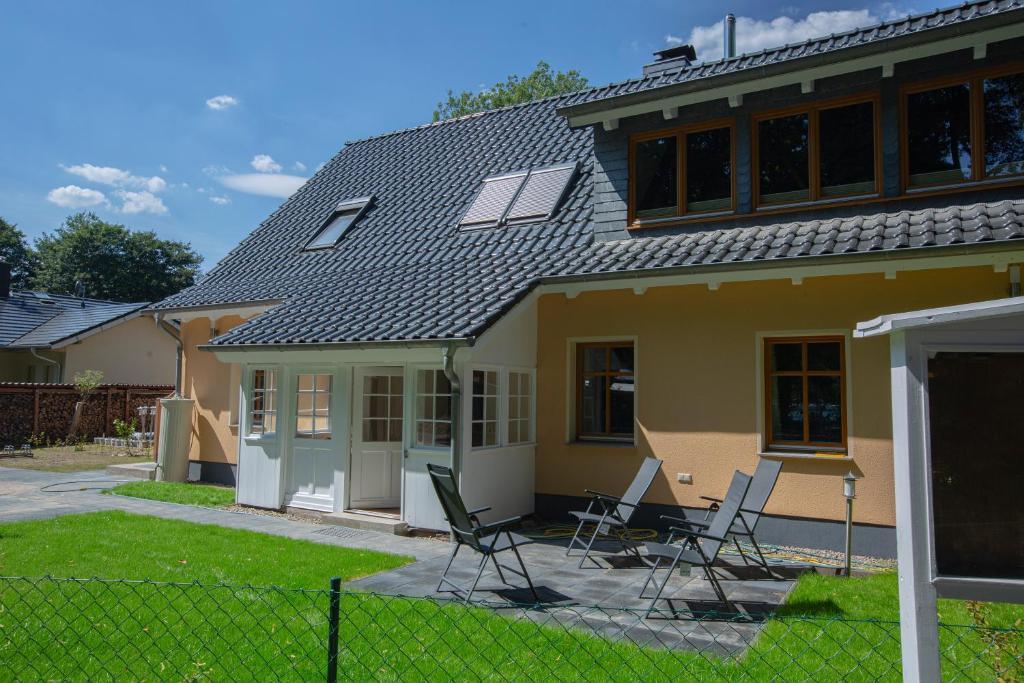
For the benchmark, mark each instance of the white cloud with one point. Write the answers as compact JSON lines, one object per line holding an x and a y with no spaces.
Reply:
{"x":264,"y":184}
{"x":220,"y":201}
{"x":163,"y":169}
{"x":221,"y":102}
{"x":75,"y":197}
{"x":264,"y":163}
{"x":140,"y":202}
{"x":299,"y":166}
{"x":753,"y":35}
{"x":672,"y":40}
{"x":116,"y":177}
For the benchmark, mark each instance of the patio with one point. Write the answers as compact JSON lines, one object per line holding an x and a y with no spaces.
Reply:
{"x":602,"y":596}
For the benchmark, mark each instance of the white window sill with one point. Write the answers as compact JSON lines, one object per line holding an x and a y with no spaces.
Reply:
{"x":791,"y":455}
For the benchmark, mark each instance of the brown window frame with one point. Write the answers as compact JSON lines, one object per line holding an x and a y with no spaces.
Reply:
{"x":606,"y":435}
{"x":680,"y":133}
{"x":813,"y":111}
{"x":806,"y":444}
{"x":975,"y":80}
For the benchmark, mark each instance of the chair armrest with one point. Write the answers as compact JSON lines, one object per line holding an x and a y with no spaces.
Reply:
{"x":712,"y":499}
{"x":699,"y":534}
{"x":497,"y":527}
{"x":479,"y":510}
{"x":606,"y":496}
{"x":691,"y":522}
{"x":670,"y":518}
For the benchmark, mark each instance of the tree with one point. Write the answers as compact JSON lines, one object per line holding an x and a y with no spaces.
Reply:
{"x":17,"y":252}
{"x":112,"y":261}
{"x":515,"y":90}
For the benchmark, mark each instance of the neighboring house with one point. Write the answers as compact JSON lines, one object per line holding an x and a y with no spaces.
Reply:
{"x":544,"y":294}
{"x":51,"y":338}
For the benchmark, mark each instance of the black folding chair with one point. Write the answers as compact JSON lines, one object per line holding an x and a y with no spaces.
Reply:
{"x":606,"y":511}
{"x":486,"y":539}
{"x":761,"y":486}
{"x":698,"y":548}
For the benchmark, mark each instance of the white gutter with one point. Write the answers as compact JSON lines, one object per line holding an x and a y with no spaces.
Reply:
{"x":60,"y":370}
{"x":884,"y":324}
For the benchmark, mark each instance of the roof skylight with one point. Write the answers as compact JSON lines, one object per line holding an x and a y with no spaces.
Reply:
{"x":519,"y":197}
{"x":345,"y":214}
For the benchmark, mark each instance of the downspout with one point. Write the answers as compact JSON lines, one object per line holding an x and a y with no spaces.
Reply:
{"x":1014,"y":280}
{"x":173,"y":331}
{"x":60,"y":370}
{"x":448,"y":361}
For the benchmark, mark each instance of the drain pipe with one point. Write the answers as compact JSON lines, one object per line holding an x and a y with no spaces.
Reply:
{"x":1014,"y":280}
{"x":448,"y":360}
{"x":50,"y":361}
{"x":176,"y":334}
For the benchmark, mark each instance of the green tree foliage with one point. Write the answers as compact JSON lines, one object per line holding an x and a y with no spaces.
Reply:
{"x":542,"y":82}
{"x":17,"y":252}
{"x":112,"y":261}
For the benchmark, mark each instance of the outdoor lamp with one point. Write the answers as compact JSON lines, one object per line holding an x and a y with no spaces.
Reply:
{"x":849,"y":492}
{"x":850,"y":486}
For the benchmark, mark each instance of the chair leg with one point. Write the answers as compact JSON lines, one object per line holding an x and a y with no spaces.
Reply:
{"x":497,"y":566}
{"x":444,"y":574}
{"x":764,"y":562}
{"x":575,"y":536}
{"x":660,"y":588}
{"x":713,"y":580}
{"x":650,"y":575}
{"x":479,"y":573}
{"x":590,"y":544}
{"x":743,"y":555}
{"x":526,"y":574}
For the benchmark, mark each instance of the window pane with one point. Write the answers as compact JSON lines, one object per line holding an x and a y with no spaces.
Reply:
{"x":655,"y":178}
{"x":478,"y":382}
{"x":513,"y":432}
{"x":394,"y":430}
{"x":939,"y":135}
{"x":269,"y":423}
{"x":847,"y":142}
{"x":442,"y":408}
{"x":824,"y":409}
{"x":709,"y":170}
{"x":424,"y":434}
{"x":1004,"y":126}
{"x":397,"y":384}
{"x":622,"y":358}
{"x":305,"y":382}
{"x":621,"y":405}
{"x":595,"y":359}
{"x":441,"y":383}
{"x":478,"y":434}
{"x":823,"y":356}
{"x":787,"y":357}
{"x":258,"y":378}
{"x":592,"y":408}
{"x":478,"y":407}
{"x":395,"y":409}
{"x":425,"y":381}
{"x":491,"y":433}
{"x":333,"y":230}
{"x":442,"y":434}
{"x":783,"y":160}
{"x":787,"y":408}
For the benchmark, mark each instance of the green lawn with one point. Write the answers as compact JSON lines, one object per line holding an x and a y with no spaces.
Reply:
{"x":70,"y":631}
{"x":205,"y":495}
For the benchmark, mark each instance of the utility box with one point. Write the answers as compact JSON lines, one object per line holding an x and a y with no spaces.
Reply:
{"x":175,"y":436}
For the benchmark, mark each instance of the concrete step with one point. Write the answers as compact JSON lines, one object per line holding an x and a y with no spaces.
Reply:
{"x":135,"y":470}
{"x":384,"y":525}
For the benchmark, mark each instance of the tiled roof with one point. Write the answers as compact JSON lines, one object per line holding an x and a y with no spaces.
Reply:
{"x":407,"y":272}
{"x":25,"y":320}
{"x":968,"y":11}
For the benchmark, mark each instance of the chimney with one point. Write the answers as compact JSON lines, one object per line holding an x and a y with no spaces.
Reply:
{"x":5,"y":280}
{"x":729,"y":44}
{"x":675,"y":57}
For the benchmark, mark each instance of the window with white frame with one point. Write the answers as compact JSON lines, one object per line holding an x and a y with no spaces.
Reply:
{"x":313,"y":406}
{"x":263,"y":406}
{"x":433,"y":409}
{"x":520,"y":410}
{"x":484,"y":422}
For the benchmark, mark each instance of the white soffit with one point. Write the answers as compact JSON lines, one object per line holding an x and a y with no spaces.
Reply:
{"x":735,"y":92}
{"x":980,"y":310}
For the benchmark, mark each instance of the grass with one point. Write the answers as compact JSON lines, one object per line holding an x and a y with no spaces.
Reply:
{"x":53,"y":629}
{"x":67,"y":459}
{"x":204,"y":495}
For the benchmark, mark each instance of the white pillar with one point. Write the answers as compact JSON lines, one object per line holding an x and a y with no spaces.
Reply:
{"x":919,"y":622}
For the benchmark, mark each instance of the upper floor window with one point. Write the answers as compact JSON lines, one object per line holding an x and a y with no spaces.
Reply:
{"x":825,"y":151}
{"x":964,"y":130}
{"x":681,"y":172}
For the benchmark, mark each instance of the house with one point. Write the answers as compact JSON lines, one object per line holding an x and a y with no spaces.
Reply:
{"x":52,"y":337}
{"x":544,"y":294}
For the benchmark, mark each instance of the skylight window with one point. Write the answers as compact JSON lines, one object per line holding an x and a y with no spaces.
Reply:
{"x":518,"y":197}
{"x":345,"y":214}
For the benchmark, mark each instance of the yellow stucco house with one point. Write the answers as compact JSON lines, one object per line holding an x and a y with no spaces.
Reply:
{"x":543,"y":295}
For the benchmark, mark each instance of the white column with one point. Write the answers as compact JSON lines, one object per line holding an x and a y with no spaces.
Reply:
{"x":919,"y":627}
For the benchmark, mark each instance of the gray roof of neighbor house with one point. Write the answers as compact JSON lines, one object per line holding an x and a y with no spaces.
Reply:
{"x":881,"y":37}
{"x":32,"y":319}
{"x":405,"y":271}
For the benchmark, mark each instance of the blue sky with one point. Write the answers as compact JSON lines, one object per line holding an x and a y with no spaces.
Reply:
{"x":195,"y":119}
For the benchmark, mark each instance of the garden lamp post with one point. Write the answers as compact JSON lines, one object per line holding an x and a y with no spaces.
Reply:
{"x":849,"y":492}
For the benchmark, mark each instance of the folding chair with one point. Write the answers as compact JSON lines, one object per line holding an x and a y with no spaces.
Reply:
{"x":765,"y":477}
{"x":486,"y":539}
{"x":698,"y":548}
{"x":613,"y":511}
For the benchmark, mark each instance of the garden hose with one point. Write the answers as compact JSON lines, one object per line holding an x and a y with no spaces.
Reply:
{"x":49,"y":488}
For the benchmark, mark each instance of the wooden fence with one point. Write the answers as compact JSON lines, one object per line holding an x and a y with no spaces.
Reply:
{"x":42,"y":413}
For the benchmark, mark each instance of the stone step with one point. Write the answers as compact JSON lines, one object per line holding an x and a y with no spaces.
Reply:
{"x":135,"y":470}
{"x":353,"y":520}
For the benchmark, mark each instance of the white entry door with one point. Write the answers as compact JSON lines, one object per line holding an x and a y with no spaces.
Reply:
{"x":377,"y":438}
{"x":315,"y":453}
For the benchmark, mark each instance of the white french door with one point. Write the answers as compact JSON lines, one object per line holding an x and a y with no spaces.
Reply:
{"x":378,"y":397}
{"x":315,"y":453}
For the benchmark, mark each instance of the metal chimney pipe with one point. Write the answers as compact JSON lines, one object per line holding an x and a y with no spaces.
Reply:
{"x":729,"y":47}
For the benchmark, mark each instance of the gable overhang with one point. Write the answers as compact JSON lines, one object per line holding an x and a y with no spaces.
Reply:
{"x":975,"y":35}
{"x":242,"y":309}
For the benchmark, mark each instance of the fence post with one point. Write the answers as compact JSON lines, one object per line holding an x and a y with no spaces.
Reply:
{"x":332,"y":630}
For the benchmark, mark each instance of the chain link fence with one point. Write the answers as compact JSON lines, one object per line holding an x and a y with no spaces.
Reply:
{"x":96,"y":630}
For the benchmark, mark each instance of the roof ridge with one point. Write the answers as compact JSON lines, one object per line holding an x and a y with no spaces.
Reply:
{"x":72,"y":297}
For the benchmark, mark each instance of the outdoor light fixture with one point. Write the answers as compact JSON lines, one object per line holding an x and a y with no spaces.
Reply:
{"x":849,"y":492}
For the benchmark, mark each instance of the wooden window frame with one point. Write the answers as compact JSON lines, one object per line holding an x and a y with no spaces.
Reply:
{"x":813,"y":111}
{"x":579,"y":374}
{"x":771,"y":444}
{"x":975,"y":79}
{"x":680,"y":133}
